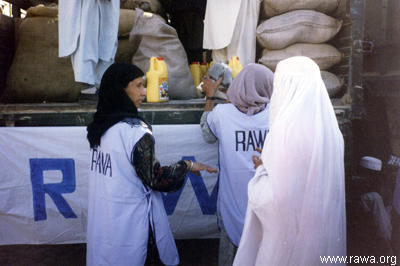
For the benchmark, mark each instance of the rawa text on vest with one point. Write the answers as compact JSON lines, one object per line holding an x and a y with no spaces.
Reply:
{"x":101,"y":162}
{"x":251,"y":138}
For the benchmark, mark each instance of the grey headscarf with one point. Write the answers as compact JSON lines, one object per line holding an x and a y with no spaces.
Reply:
{"x":251,"y":90}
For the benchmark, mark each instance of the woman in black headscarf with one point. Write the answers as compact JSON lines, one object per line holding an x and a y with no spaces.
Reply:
{"x":125,"y":177}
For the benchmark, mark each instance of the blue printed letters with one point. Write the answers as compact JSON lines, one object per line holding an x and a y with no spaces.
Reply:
{"x":39,"y":189}
{"x":208,"y":203}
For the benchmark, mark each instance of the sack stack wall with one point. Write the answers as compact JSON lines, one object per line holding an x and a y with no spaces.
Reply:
{"x":307,"y":28}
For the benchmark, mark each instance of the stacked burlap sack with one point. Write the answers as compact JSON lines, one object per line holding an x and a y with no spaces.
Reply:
{"x":301,"y":27}
{"x":125,"y":49}
{"x":7,"y":44}
{"x":37,"y":74}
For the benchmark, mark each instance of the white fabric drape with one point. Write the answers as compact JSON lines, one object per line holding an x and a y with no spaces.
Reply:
{"x":296,"y":207}
{"x":88,"y":32}
{"x":230,"y":29}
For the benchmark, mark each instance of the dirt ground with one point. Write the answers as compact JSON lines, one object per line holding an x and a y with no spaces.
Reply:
{"x":198,"y":252}
{"x":194,"y":252}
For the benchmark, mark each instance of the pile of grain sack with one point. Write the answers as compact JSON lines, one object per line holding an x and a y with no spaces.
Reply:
{"x":37,"y":74}
{"x":301,"y":27}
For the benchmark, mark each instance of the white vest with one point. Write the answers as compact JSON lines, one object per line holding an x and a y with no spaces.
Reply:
{"x":121,"y":207}
{"x":238,"y":134}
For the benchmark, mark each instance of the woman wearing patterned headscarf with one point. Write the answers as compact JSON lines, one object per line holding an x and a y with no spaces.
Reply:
{"x":241,"y":127}
{"x":126,"y":215}
{"x":296,"y":209}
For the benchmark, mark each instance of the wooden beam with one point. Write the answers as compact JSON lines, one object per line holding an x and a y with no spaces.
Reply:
{"x":16,"y":11}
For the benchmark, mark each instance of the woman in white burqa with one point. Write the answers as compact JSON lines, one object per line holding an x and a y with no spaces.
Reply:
{"x":296,"y":200}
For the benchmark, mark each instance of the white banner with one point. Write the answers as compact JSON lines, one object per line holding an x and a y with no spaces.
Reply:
{"x":43,"y":184}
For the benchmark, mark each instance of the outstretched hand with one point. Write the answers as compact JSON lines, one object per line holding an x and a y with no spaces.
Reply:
{"x":197,"y":167}
{"x":257,"y":159}
{"x":209,"y":86}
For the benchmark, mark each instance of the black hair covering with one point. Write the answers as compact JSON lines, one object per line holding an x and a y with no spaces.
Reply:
{"x":114,"y":104}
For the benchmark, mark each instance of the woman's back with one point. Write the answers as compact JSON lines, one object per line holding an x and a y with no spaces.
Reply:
{"x":238,"y":135}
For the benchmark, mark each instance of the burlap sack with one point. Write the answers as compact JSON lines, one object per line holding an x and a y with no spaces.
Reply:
{"x":125,"y":51}
{"x":324,"y":55}
{"x":126,"y":22}
{"x":50,"y":11}
{"x":276,"y":7}
{"x":153,"y":6}
{"x":152,"y":37}
{"x":332,"y":82}
{"x":129,"y":4}
{"x":37,"y":74}
{"x":126,"y":17}
{"x":299,"y":26}
{"x":7,"y":44}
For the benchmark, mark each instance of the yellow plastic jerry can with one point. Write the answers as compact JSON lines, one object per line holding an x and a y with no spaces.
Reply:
{"x":235,"y":66}
{"x":210,"y":65}
{"x":196,"y":73}
{"x":157,"y":81}
{"x":203,"y":69}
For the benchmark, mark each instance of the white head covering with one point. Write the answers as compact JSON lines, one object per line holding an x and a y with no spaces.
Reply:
{"x":301,"y":206}
{"x":371,"y":163}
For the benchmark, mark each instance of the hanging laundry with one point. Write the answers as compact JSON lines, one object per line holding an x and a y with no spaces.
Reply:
{"x":231,"y":31}
{"x":88,"y":33}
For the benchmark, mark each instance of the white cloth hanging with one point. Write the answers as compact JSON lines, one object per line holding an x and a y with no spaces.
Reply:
{"x":219,"y":23}
{"x":230,"y":29}
{"x":296,"y":208}
{"x":88,"y":32}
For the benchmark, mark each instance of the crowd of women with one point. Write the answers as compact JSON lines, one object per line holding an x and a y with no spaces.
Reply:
{"x":285,"y":206}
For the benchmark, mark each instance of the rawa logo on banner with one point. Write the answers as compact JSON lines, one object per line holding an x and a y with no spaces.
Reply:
{"x":44,"y":183}
{"x":54,"y":190}
{"x":206,"y":202}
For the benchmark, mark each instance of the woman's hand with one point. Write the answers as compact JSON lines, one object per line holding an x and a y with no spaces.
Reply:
{"x":209,"y":86}
{"x":257,"y":159}
{"x":197,"y":167}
